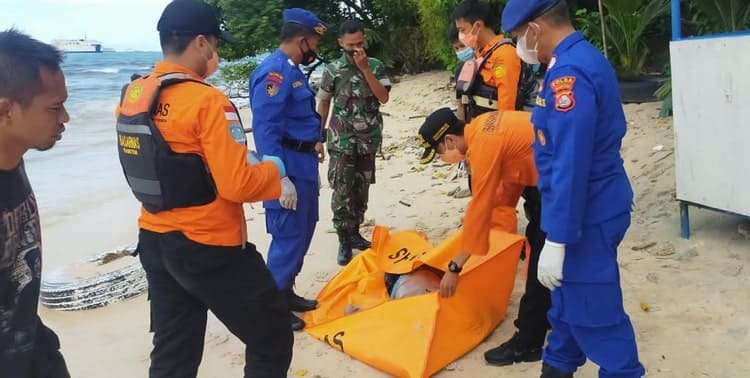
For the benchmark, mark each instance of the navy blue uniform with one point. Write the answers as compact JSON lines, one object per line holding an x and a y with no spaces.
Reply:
{"x":283,"y":106}
{"x":586,"y":204}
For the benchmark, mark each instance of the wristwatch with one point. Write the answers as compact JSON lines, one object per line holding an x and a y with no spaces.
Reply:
{"x":454,"y":268}
{"x":323,"y":136}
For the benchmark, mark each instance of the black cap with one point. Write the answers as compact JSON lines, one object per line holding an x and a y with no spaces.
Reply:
{"x":190,"y":18}
{"x":434,"y":129}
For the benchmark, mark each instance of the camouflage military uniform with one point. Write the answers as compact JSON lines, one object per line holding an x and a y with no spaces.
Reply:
{"x":355,"y":134}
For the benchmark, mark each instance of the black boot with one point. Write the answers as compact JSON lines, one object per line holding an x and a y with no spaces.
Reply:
{"x":512,"y":351}
{"x":345,"y":254}
{"x":345,"y":248}
{"x":359,"y":242}
{"x":297,"y":323}
{"x":550,"y":372}
{"x":299,"y":304}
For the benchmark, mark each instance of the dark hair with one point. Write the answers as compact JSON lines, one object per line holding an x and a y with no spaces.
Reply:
{"x":475,"y":10}
{"x":453,"y":34}
{"x":174,"y":43}
{"x":558,"y":14}
{"x":292,"y":30}
{"x":21,"y":59}
{"x":351,"y":27}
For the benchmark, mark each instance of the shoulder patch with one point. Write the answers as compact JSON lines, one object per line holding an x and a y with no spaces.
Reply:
{"x":562,"y":87}
{"x":275,"y":77}
{"x":237,"y":133}
{"x":273,"y":82}
{"x":499,"y":71}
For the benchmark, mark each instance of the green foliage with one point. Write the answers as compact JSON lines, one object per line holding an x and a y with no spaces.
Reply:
{"x":720,"y":16}
{"x":392,"y":28}
{"x":589,"y":23}
{"x":433,"y":16}
{"x":233,"y":76}
{"x":256,"y":25}
{"x":435,"y":22}
{"x":626,"y":23}
{"x":664,"y":93}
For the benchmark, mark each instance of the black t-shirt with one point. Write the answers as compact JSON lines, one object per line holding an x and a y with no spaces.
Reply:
{"x":20,"y":267}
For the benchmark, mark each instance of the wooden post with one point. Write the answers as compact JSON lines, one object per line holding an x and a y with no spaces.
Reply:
{"x":604,"y":33}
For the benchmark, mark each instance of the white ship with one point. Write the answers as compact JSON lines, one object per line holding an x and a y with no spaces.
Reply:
{"x":78,"y":45}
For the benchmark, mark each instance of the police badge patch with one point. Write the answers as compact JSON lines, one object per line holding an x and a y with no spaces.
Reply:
{"x":563,"y":90}
{"x":273,"y":83}
{"x":272,"y":89}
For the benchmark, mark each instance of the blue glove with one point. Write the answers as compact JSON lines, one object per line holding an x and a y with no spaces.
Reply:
{"x":279,"y":164}
{"x":252,"y":157}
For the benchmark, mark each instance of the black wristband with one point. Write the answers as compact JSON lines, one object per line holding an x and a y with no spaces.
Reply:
{"x":454,"y":268}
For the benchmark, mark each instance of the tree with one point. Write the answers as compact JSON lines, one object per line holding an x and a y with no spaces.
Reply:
{"x":392,"y":28}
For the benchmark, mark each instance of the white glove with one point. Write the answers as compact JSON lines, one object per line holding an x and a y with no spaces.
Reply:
{"x":288,"y":197}
{"x":549,"y":271}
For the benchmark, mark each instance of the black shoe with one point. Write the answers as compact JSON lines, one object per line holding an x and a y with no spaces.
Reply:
{"x":297,"y":323}
{"x":299,"y":304}
{"x":345,"y":254}
{"x":357,"y":241}
{"x":550,"y":372}
{"x":512,"y":351}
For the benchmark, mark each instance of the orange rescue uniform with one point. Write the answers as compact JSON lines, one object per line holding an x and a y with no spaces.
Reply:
{"x":502,"y":70}
{"x":501,"y":161}
{"x":196,"y":118}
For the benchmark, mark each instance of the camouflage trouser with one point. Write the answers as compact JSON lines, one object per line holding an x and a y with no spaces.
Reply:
{"x":350,"y":176}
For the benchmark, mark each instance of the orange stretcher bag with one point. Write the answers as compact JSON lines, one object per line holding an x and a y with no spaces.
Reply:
{"x":419,"y":335}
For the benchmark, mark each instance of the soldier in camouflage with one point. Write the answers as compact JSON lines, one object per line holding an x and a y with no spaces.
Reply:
{"x":358,"y":85}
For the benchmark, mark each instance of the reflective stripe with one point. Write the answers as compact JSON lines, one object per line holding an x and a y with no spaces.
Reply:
{"x":150,"y":187}
{"x":133,"y":129}
{"x":485,"y":102}
{"x":176,"y":75}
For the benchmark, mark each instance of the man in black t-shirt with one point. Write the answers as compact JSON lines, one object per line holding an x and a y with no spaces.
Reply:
{"x":32,"y":93}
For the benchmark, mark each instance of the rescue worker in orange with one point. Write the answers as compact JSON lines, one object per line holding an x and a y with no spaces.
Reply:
{"x":497,"y":147}
{"x":186,"y":160}
{"x":495,"y":82}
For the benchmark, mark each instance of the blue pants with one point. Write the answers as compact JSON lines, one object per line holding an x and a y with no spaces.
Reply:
{"x":291,"y":233}
{"x":587,"y":316}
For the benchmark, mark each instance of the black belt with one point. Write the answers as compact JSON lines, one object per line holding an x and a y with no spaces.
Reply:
{"x":298,"y":145}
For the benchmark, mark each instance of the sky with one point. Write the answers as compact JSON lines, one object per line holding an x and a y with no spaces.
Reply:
{"x":118,"y":24}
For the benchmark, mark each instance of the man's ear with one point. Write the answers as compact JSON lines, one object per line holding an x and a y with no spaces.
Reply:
{"x":5,"y":106}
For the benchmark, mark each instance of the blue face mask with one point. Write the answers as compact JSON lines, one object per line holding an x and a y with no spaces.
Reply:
{"x":465,"y":54}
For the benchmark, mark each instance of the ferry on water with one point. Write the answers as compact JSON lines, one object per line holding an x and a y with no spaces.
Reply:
{"x":78,"y":45}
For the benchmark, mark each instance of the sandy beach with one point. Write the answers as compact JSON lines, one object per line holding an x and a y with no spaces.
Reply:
{"x":687,"y":299}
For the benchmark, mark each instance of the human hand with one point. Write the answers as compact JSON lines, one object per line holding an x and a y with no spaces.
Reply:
{"x":448,"y":284}
{"x":360,"y":59}
{"x":288,"y":197}
{"x":321,"y":150}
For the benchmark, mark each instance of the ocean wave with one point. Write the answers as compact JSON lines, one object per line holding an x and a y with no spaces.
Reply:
{"x":109,"y":70}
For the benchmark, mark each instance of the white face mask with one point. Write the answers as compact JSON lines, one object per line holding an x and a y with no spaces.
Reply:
{"x":528,"y":56}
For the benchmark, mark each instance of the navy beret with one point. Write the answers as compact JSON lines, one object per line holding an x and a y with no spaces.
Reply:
{"x":305,"y":18}
{"x":519,"y":12}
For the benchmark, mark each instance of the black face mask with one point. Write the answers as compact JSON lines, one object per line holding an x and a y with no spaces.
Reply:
{"x":308,"y":56}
